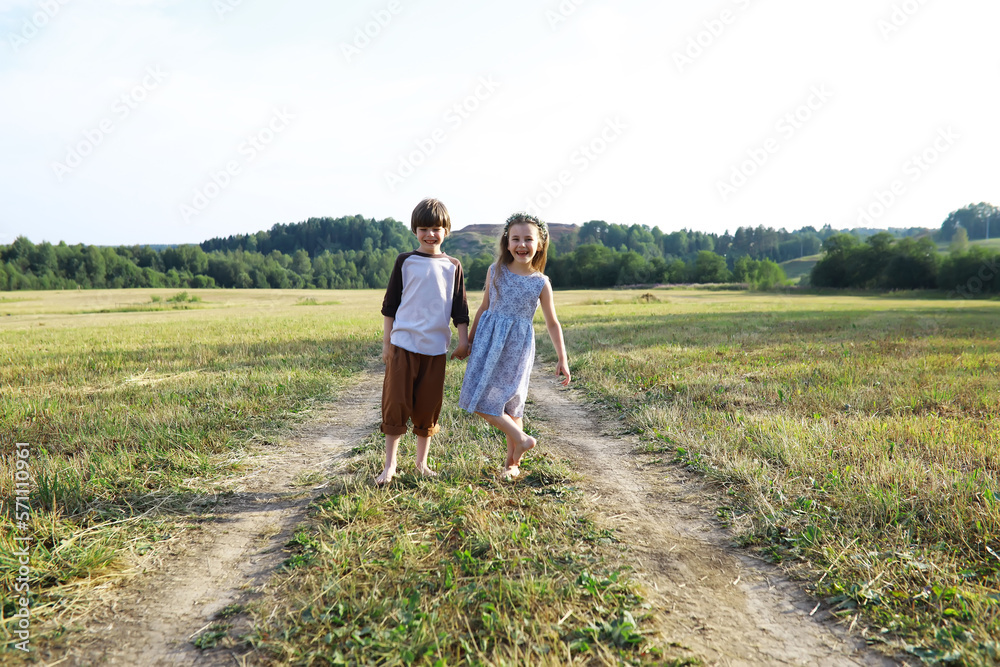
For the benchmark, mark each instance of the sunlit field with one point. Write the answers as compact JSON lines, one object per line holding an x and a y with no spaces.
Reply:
{"x":133,"y":403}
{"x":855,"y":439}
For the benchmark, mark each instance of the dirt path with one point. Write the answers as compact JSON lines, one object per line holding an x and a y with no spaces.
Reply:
{"x":151,"y":620}
{"x":726,"y":607}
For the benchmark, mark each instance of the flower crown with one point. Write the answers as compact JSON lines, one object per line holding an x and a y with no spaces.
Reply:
{"x":518,"y":218}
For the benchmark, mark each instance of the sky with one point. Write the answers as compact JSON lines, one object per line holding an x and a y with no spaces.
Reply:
{"x":175,"y":121}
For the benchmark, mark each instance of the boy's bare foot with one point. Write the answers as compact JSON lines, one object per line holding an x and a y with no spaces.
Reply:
{"x":385,"y":477}
{"x":426,"y":472}
{"x":510,"y":472}
{"x":520,"y":449}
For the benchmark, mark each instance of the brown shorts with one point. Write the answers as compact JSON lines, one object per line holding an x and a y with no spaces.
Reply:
{"x":413,"y":389}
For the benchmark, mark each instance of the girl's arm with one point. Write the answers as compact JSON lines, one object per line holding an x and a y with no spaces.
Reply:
{"x":555,"y":331}
{"x":483,"y":306}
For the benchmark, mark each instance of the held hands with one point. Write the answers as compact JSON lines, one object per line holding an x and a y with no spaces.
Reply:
{"x":562,"y":368}
{"x":462,"y":351}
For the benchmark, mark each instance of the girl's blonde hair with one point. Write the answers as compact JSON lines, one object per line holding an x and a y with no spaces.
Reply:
{"x":504,"y":256}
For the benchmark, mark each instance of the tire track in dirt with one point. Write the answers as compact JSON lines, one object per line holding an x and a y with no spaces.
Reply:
{"x":152,"y":619}
{"x":723,"y":605}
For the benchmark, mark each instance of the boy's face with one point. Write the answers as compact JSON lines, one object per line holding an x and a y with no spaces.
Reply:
{"x":431,"y":238}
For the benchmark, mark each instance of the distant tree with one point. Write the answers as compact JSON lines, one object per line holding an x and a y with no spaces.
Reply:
{"x":881,"y":262}
{"x":709,"y":268}
{"x":676,"y":272}
{"x":676,"y":244}
{"x":475,"y":271}
{"x":595,"y":231}
{"x":835,"y":268}
{"x":768,"y":275}
{"x":959,"y":241}
{"x":633,"y":269}
{"x":761,"y":274}
{"x":979,"y":220}
{"x":743,"y":269}
{"x":971,"y":273}
{"x":303,"y":266}
{"x":19,"y":253}
{"x":912,"y":264}
{"x":595,"y":266}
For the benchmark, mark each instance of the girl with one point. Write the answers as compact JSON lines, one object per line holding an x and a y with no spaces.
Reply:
{"x":502,"y":336}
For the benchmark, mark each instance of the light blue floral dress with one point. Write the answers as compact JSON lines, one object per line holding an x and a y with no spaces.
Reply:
{"x":503,"y":350}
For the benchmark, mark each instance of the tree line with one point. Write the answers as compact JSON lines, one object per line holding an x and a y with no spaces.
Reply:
{"x":355,"y":252}
{"x":349,"y":252}
{"x":882,"y":262}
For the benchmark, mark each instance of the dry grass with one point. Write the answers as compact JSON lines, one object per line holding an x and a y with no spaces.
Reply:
{"x":859,"y":438}
{"x":133,"y":419}
{"x":461,"y":569}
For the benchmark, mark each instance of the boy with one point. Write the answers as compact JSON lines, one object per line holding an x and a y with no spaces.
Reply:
{"x":426,"y":289}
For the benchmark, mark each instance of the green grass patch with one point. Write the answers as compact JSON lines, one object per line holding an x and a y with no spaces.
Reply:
{"x":310,"y":301}
{"x":797,"y":269}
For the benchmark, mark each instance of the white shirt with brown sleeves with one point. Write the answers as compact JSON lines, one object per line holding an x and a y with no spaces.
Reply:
{"x":424,"y":293}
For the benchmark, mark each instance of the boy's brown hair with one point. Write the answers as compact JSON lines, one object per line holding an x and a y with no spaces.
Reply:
{"x":430,"y":213}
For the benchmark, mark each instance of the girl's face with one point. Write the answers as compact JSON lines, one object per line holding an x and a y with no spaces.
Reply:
{"x":522,"y":241}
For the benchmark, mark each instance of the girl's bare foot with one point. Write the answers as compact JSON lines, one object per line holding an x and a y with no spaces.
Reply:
{"x":426,"y":472}
{"x":509,"y":461}
{"x":385,"y":477}
{"x":521,"y":448}
{"x":510,"y":472}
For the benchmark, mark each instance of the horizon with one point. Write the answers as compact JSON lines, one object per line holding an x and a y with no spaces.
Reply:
{"x":454,"y":229}
{"x":173,"y":121}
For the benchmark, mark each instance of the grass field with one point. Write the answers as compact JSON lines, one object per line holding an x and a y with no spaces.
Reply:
{"x":992,"y":244}
{"x":131,"y":415}
{"x":795,"y":269}
{"x":858,"y":437}
{"x":136,"y":404}
{"x":855,"y":437}
{"x":988,"y":243}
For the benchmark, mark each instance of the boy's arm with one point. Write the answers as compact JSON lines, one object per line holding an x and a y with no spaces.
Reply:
{"x":462,"y":351}
{"x":460,"y":313}
{"x":386,"y":332}
{"x":390,"y":303}
{"x":555,"y":331}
